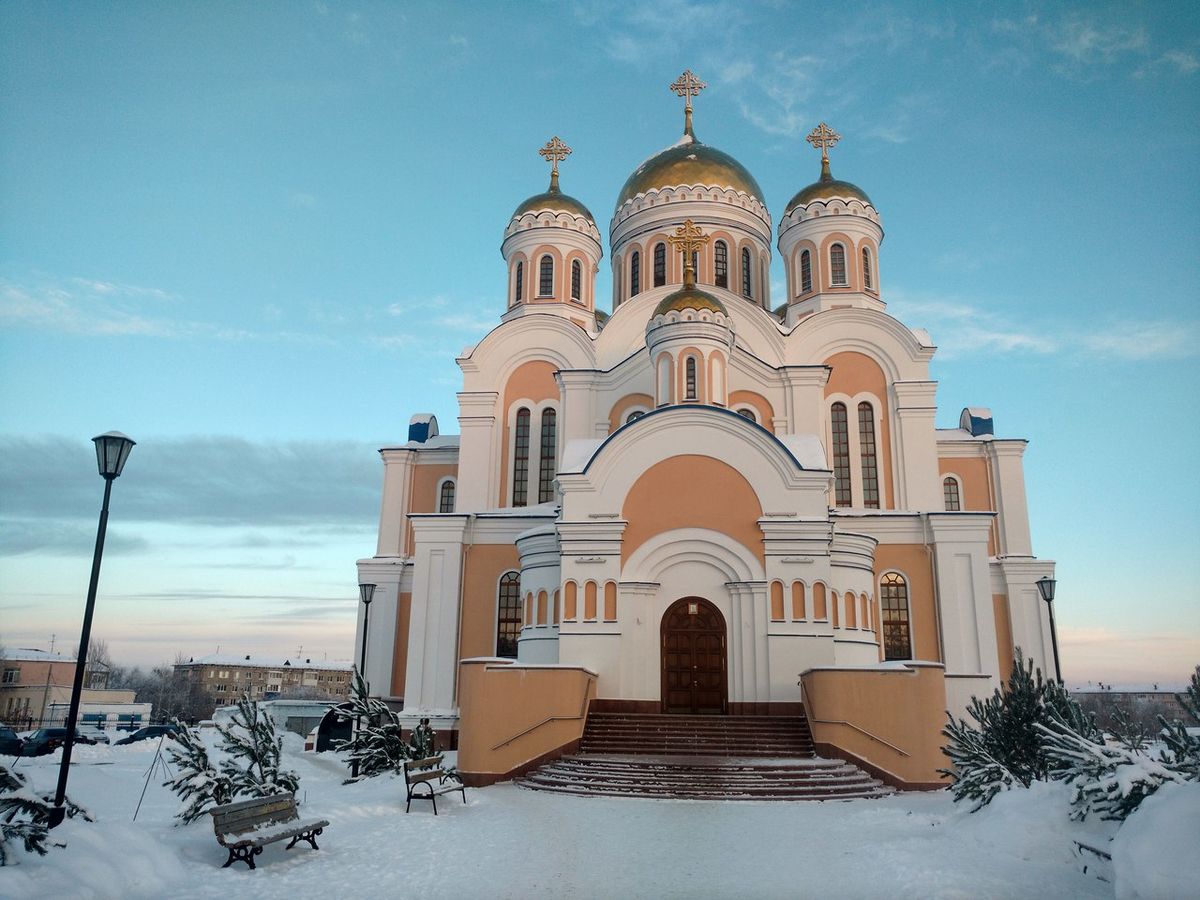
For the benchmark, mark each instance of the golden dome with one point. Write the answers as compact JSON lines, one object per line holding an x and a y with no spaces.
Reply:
{"x":689,"y":298}
{"x":689,"y":162}
{"x":826,"y":188}
{"x":556,"y":201}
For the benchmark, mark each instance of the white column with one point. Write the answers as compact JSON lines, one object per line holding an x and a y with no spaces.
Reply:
{"x":918,"y":486}
{"x":749,"y":675}
{"x":1028,"y":612}
{"x":804,"y":400}
{"x":478,"y":452}
{"x":1008,"y":471}
{"x":576,"y":419}
{"x":397,"y":485}
{"x":389,"y":577}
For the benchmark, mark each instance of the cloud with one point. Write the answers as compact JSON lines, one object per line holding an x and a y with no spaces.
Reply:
{"x":1139,"y":340}
{"x":466,"y":322}
{"x":25,"y":536}
{"x":1088,"y":42}
{"x":301,"y":200}
{"x":459,"y":40}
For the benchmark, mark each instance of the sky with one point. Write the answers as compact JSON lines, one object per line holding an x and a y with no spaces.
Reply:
{"x":253,"y":237}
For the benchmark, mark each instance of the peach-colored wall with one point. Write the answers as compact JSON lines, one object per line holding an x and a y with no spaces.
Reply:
{"x":777,"y":601}
{"x":616,"y":418}
{"x":400,"y":649}
{"x":691,"y":492}
{"x":589,"y":601}
{"x":533,"y":381}
{"x":424,"y":494}
{"x":903,"y":707}
{"x":610,"y":601}
{"x":820,"y":609}
{"x":481,"y":584}
{"x":762,"y":408}
{"x":797,"y":600}
{"x":975,"y":489}
{"x":511,"y":716}
{"x":912,"y":561}
{"x":1004,"y":640}
{"x":570,"y":594}
{"x":854,"y":373}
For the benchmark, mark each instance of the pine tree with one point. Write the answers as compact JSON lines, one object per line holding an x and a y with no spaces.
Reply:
{"x":1182,"y":753}
{"x":198,"y":783}
{"x":253,"y":764}
{"x":25,"y":817}
{"x":377,"y":744}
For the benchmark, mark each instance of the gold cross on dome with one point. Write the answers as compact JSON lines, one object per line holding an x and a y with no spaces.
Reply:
{"x":688,"y":239}
{"x":822,"y":138}
{"x":687,"y":86}
{"x":554,"y":151}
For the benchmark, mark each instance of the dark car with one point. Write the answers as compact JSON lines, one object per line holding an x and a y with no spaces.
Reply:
{"x":150,"y":731}
{"x":47,"y":740}
{"x":10,"y":743}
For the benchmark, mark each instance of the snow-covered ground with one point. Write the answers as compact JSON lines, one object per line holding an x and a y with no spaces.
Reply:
{"x":510,"y":842}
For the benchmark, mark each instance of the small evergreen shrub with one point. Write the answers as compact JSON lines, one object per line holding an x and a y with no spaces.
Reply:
{"x":25,"y":817}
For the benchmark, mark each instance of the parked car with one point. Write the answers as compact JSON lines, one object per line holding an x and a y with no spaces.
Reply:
{"x":47,"y":740}
{"x":10,"y":743}
{"x":98,"y":736}
{"x":150,"y":731}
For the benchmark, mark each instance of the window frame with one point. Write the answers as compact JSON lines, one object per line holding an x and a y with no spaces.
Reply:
{"x":884,"y":589}
{"x":576,"y":281}
{"x":949,"y":479}
{"x":635,"y":273}
{"x":747,"y":266}
{"x":839,"y":450}
{"x":868,"y":458}
{"x":545,"y":276}
{"x":547,"y":451}
{"x":447,"y":482}
{"x":721,"y":264}
{"x":806,"y":279}
{"x":520,"y":463}
{"x":691,"y":380}
{"x":518,"y":281}
{"x":868,"y":277}
{"x":510,"y":579}
{"x":660,"y":264}
{"x":837,"y":265}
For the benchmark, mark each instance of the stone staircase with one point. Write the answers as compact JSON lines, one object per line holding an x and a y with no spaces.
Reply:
{"x":701,"y":758}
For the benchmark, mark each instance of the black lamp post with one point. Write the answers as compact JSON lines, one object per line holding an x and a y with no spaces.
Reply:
{"x":112,"y":449}
{"x":1045,"y":586}
{"x":366,"y":593}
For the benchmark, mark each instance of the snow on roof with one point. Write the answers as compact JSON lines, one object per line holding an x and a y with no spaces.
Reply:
{"x":30,"y":654}
{"x":960,"y":434}
{"x":1128,"y":687}
{"x":577,"y":453}
{"x":439,"y":442}
{"x":806,"y":448}
{"x":246,"y":660}
{"x":923,"y":337}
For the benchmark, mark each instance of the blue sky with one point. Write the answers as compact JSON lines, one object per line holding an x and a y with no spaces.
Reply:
{"x":254,"y":236}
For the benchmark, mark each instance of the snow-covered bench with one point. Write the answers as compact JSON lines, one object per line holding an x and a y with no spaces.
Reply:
{"x":423,"y":773}
{"x":243,"y":828}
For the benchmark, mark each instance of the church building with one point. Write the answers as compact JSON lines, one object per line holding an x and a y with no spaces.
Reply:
{"x":707,"y":501}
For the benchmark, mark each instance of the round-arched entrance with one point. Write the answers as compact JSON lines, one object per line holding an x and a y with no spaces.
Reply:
{"x":693,"y":658}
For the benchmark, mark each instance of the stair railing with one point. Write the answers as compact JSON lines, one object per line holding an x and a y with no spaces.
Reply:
{"x":864,"y":731}
{"x":546,"y":721}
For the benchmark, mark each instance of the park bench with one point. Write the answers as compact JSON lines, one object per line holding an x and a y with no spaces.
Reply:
{"x":424,"y":773}
{"x":243,"y":828}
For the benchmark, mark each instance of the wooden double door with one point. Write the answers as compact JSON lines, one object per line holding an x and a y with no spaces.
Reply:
{"x":693,"y":658}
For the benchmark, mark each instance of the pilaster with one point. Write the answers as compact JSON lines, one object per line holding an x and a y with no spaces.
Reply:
{"x":918,"y":484}
{"x":1008,"y":469}
{"x":478,"y":452}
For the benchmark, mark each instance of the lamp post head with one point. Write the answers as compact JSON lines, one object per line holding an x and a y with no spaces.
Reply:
{"x":1045,"y":586}
{"x":112,"y":449}
{"x":366,"y":593}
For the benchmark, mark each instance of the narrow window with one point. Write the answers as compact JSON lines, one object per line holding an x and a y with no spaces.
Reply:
{"x":660,"y":265}
{"x":893,"y":597}
{"x":805,"y":272}
{"x":635,"y":274}
{"x":747,"y":414}
{"x":841,"y":455}
{"x":950,"y":493}
{"x":576,"y":281}
{"x":695,"y":265}
{"x":866,"y":446}
{"x":508,"y":615}
{"x":546,"y":277}
{"x":520,"y":282}
{"x":521,"y":459}
{"x":690,"y":370}
{"x":446,"y":499}
{"x":867,"y":282}
{"x":746,"y":272}
{"x":721,"y":264}
{"x":837,"y":263}
{"x":546,"y":468}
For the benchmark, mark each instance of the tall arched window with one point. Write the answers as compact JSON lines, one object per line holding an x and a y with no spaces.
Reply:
{"x":746,"y":272}
{"x":546,"y":468}
{"x":893,"y":601}
{"x":576,"y":281}
{"x":866,"y":446}
{"x":519,"y":282}
{"x":446,"y":497}
{"x":508,"y":615}
{"x":721,"y":264}
{"x":837,"y":264}
{"x":841,"y":455}
{"x":951,"y":495}
{"x":520,"y":492}
{"x":805,"y":272}
{"x":868,"y":282}
{"x":546,"y":276}
{"x":635,"y":274}
{"x":660,"y":265}
{"x":690,"y":376}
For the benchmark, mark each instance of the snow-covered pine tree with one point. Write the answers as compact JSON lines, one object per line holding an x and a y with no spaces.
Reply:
{"x":253,"y":764}
{"x":376,"y":744}
{"x":198,"y":783}
{"x":1182,"y":753}
{"x":977,"y":775}
{"x":25,"y":817}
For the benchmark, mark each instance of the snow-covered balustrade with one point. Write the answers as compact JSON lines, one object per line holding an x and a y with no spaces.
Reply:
{"x":886,"y":718}
{"x":513,"y":716}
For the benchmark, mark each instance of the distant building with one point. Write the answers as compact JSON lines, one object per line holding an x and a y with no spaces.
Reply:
{"x":225,"y":677}
{"x":35,"y":690}
{"x":1142,"y":703}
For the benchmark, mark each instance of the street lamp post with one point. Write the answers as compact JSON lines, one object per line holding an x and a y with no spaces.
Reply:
{"x":112,"y":449}
{"x":1045,"y":586}
{"x":366,"y":593}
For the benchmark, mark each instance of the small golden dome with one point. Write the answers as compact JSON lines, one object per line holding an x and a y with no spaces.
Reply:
{"x":826,"y":188}
{"x":689,"y":162}
{"x":556,"y":201}
{"x":689,"y":298}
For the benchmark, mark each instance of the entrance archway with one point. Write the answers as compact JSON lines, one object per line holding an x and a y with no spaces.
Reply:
{"x":693,"y":658}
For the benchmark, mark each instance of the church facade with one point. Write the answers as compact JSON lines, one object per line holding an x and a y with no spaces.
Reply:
{"x":708,"y":496}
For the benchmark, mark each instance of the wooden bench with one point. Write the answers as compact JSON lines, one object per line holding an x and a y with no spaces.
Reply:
{"x":243,"y":828}
{"x":424,"y":773}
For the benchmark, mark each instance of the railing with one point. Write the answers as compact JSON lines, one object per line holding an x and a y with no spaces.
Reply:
{"x":546,"y":721}
{"x":863,"y":731}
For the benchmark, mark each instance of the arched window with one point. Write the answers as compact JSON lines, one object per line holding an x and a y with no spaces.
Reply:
{"x":746,"y":272}
{"x":636,"y":414}
{"x":660,"y":265}
{"x":867,"y":281}
{"x":690,"y":375}
{"x":519,"y":285}
{"x":635,"y":274}
{"x":546,"y":276}
{"x":508,"y":615}
{"x":837,"y":264}
{"x":446,"y":497}
{"x":893,"y":600}
{"x":841,"y":455}
{"x":520,"y":491}
{"x":576,"y":281}
{"x":721,"y":264}
{"x":951,"y":495}
{"x":805,"y":272}
{"x":746,"y":413}
{"x":546,"y":469}
{"x":866,"y":446}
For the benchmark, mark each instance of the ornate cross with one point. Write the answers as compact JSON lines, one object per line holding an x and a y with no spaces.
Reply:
{"x":687,"y":86}
{"x":822,"y":138}
{"x":554,"y":151}
{"x":688,"y":239}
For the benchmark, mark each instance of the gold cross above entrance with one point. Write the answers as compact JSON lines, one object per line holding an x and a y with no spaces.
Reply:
{"x":822,"y":138}
{"x":688,"y":239}
{"x":554,"y":151}
{"x":687,"y":86}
